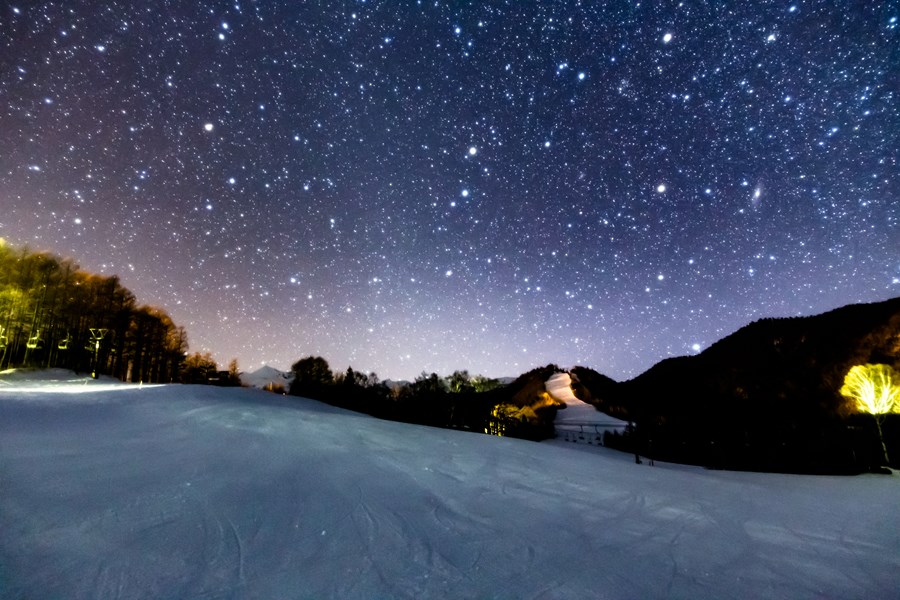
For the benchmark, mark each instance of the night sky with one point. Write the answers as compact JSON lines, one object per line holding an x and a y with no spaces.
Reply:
{"x":489,"y":186}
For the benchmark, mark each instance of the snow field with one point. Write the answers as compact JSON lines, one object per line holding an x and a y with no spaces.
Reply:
{"x":202,"y":492}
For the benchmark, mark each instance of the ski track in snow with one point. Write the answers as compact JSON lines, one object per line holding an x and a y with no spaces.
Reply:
{"x":201,"y":492}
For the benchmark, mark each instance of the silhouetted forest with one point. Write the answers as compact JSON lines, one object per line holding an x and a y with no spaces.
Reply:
{"x":765,"y":398}
{"x":459,"y":401}
{"x":768,"y":397}
{"x":53,"y":314}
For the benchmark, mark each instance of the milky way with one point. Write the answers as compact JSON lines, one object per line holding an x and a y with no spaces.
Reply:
{"x":432,"y":186}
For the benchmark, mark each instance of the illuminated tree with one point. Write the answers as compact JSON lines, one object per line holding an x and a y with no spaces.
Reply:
{"x":198,"y":367}
{"x":876,"y":390}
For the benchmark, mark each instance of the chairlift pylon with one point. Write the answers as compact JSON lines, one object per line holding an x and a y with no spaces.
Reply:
{"x":97,"y":335}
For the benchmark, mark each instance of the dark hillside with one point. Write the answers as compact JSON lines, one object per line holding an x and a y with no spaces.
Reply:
{"x":598,"y":389}
{"x":767,"y":396}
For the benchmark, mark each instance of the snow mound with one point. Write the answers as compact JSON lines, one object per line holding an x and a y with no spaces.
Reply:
{"x":182,"y":491}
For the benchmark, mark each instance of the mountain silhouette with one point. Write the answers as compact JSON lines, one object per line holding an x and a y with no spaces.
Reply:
{"x":765,"y":397}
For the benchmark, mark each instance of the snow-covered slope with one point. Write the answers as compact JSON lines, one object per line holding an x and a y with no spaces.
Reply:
{"x":579,"y":421}
{"x":205,"y":492}
{"x":560,"y":387}
{"x":48,"y":377}
{"x":267,"y":376}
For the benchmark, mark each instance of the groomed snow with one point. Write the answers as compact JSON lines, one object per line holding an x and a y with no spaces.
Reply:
{"x":560,"y":387}
{"x":204,"y":492}
{"x":578,"y":422}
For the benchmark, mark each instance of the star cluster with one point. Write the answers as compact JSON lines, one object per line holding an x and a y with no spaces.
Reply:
{"x":408,"y":186}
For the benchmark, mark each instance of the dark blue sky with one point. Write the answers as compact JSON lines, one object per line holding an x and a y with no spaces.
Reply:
{"x":408,"y":186}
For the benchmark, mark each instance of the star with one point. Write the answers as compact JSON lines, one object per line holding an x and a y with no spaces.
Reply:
{"x":297,"y":152}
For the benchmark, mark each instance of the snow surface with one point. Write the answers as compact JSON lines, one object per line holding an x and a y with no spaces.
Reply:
{"x":266,"y":375}
{"x":579,"y":421}
{"x":206,"y":492}
{"x":560,"y":387}
{"x":62,"y":381}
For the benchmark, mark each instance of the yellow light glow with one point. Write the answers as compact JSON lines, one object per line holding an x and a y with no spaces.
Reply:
{"x":874,"y":388}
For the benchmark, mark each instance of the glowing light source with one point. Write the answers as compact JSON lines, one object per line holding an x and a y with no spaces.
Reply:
{"x":876,"y":390}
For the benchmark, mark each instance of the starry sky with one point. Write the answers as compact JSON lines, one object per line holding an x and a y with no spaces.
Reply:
{"x":491,"y":186}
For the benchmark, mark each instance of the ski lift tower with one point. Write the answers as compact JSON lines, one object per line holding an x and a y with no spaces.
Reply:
{"x":97,"y":335}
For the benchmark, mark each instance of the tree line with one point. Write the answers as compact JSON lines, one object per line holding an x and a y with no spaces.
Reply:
{"x":53,"y":314}
{"x":458,"y":401}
